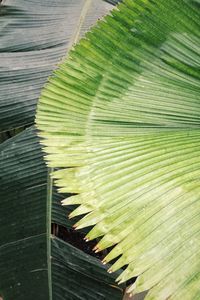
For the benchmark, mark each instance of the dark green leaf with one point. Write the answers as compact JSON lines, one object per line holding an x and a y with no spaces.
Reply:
{"x":25,"y":273}
{"x":35,"y":35}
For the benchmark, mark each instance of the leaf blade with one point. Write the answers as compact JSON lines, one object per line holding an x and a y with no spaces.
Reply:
{"x":129,"y":130}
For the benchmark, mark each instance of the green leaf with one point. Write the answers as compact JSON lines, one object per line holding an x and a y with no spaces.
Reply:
{"x":35,"y":35}
{"x":114,"y":2}
{"x":120,"y":118}
{"x":80,"y":276}
{"x":26,"y":244}
{"x":33,"y":263}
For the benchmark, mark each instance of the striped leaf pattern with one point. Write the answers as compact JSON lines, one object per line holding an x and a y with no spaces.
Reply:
{"x":120,"y":119}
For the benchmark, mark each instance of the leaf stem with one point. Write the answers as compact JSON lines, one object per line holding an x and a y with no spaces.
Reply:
{"x":49,"y":212}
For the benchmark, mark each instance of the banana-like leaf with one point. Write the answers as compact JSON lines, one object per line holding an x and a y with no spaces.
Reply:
{"x":120,"y":118}
{"x":35,"y":35}
{"x":34,"y":264}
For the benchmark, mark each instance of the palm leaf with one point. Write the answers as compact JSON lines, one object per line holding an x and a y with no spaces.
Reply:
{"x":120,"y":118}
{"x":35,"y":264}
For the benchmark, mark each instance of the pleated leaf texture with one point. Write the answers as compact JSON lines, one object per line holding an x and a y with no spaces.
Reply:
{"x":37,"y":260}
{"x":119,"y":120}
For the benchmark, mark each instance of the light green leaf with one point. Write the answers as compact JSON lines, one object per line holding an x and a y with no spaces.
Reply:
{"x":120,"y":118}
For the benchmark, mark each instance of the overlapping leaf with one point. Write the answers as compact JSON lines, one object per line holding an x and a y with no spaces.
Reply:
{"x":33,"y":263}
{"x":120,"y":118}
{"x":26,"y":267}
{"x":35,"y":35}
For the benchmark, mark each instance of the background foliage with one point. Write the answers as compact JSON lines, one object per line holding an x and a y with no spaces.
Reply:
{"x":35,"y":36}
